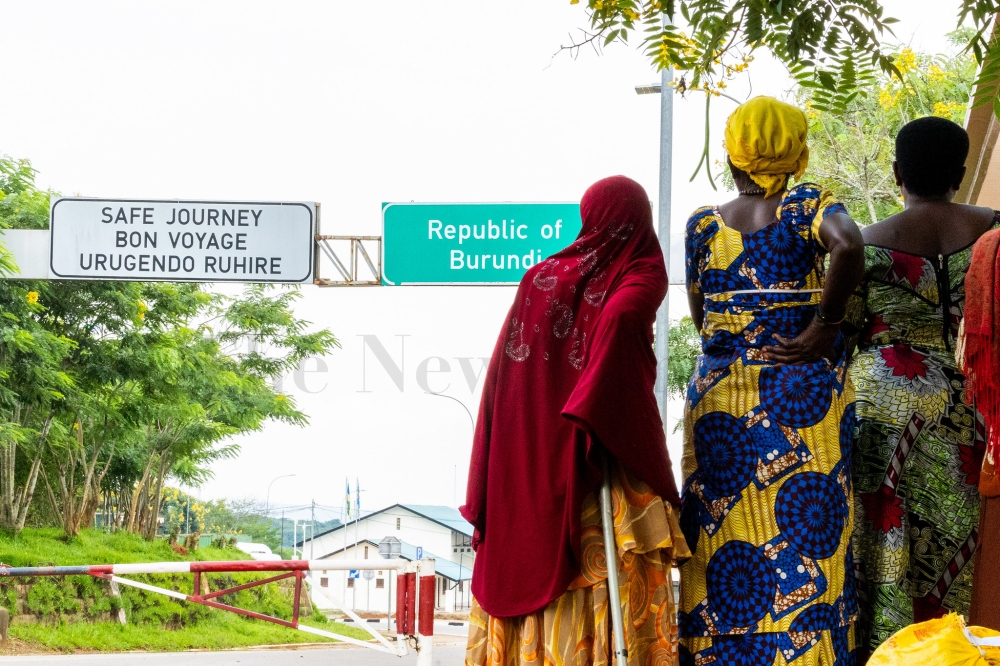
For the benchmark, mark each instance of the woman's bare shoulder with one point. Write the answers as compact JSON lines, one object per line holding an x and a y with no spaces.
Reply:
{"x":883,"y":231}
{"x":912,"y":230}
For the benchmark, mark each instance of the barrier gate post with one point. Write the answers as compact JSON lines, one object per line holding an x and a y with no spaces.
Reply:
{"x":426,"y":587}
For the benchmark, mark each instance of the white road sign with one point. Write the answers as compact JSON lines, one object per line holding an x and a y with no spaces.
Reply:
{"x":172,"y":240}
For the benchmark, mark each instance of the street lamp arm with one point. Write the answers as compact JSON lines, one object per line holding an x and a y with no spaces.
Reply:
{"x":471,"y":419}
{"x":267,"y":502}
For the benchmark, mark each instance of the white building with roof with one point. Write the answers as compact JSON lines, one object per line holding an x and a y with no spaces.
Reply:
{"x":439,"y":532}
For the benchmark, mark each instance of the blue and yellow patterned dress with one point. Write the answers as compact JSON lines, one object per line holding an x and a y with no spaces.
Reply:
{"x":767,"y":507}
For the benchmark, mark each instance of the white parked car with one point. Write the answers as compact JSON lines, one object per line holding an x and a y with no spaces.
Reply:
{"x":258,"y":551}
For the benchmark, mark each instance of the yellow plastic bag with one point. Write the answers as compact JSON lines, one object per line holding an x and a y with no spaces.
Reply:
{"x":942,"y":642}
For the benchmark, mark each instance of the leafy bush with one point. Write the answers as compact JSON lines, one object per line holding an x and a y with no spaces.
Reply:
{"x":684,"y":347}
{"x":9,"y":597}
{"x":51,"y":598}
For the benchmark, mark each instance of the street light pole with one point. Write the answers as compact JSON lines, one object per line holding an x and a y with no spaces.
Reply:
{"x":665,"y":91}
{"x":663,"y":228}
{"x":267,"y":502}
{"x":472,"y":422}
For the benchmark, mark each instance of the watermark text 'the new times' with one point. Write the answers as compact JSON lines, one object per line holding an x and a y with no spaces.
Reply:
{"x":433,"y":374}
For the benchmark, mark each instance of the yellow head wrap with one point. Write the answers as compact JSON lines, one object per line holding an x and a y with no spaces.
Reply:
{"x":766,"y":138}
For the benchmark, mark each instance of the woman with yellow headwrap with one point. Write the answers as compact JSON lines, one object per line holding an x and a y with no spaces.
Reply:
{"x":769,"y":416}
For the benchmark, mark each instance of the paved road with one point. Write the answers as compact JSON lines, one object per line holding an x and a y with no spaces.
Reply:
{"x":441,"y":627}
{"x":451,"y":655}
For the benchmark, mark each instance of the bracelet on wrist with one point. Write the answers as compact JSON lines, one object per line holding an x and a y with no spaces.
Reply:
{"x":824,"y":318}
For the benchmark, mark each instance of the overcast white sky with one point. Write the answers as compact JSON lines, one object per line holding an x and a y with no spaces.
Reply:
{"x":351,"y":105}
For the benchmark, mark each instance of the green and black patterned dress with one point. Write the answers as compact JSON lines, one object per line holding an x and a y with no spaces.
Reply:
{"x":919,"y":446}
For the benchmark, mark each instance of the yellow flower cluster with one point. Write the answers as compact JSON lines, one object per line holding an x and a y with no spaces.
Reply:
{"x":142,"y":310}
{"x":32,"y":296}
{"x":729,"y":72}
{"x":888,"y":99}
{"x":811,"y":113}
{"x":906,"y":60}
{"x":936,"y":74}
{"x":948,"y":109}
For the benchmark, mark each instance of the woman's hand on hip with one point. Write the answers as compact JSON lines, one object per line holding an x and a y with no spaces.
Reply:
{"x":813,"y":344}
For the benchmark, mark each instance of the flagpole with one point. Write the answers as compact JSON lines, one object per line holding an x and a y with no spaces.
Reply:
{"x":357,"y":515}
{"x":347,"y":508}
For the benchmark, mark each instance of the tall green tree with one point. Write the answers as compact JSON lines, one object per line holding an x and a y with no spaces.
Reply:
{"x":108,"y":389}
{"x":32,"y":379}
{"x":224,"y":387}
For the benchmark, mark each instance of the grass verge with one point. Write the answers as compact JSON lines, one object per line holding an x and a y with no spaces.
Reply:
{"x":48,"y":544}
{"x":220,"y":631}
{"x":156,"y":623}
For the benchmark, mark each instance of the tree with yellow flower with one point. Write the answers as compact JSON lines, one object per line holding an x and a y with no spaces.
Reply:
{"x":851,"y":151}
{"x":32,"y":379}
{"x":837,"y":47}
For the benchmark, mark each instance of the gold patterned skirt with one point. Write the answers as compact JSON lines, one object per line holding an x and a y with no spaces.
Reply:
{"x":574,"y":630}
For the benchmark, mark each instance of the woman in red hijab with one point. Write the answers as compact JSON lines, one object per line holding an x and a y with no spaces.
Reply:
{"x":570,"y":384}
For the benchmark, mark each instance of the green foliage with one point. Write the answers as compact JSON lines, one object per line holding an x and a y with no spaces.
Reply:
{"x":684,"y":344}
{"x":93,"y":594}
{"x":318,"y":617}
{"x":851,"y":152}
{"x":834,"y":48}
{"x":91,"y":546}
{"x":8,"y":597}
{"x":148,"y":613}
{"x":108,"y":389}
{"x":51,"y":597}
{"x":16,"y":175}
{"x":217,"y":631}
{"x":27,"y":209}
{"x":219,"y":517}
{"x":831,"y":45}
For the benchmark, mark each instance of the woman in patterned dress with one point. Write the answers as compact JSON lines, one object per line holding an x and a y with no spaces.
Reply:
{"x":570,"y":387}
{"x":919,"y":448}
{"x":769,"y":417}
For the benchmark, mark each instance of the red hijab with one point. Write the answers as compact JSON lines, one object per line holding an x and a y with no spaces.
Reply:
{"x":570,"y":378}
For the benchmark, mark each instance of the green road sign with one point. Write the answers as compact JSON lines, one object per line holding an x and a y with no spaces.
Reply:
{"x":478,"y":243}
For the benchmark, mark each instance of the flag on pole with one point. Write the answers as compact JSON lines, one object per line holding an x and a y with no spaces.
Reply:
{"x":357,"y":498}
{"x":347,"y":501}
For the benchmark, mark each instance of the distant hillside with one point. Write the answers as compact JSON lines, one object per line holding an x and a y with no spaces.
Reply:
{"x":321,"y":526}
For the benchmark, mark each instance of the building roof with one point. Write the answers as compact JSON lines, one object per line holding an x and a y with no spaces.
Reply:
{"x":442,"y":565}
{"x":445,"y":516}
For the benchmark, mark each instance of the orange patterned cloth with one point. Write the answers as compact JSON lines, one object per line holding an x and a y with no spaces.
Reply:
{"x":574,"y":629}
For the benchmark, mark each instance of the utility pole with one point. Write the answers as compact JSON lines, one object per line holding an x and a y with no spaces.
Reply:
{"x":312,"y":541}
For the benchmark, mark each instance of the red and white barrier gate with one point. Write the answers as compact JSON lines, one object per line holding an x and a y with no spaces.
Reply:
{"x":414,"y":598}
